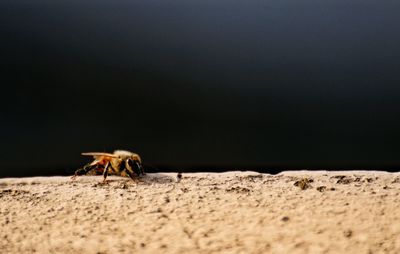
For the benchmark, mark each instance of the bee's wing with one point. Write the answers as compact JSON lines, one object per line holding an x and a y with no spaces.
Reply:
{"x":99,"y":154}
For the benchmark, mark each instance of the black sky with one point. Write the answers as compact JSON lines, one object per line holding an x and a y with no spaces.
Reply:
{"x":189,"y":84}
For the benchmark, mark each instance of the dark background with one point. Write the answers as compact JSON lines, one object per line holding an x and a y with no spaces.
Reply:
{"x":200,"y":85}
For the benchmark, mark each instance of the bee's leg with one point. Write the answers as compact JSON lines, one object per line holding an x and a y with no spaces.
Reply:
{"x":140,"y":167}
{"x":105,"y":172}
{"x":131,"y":175}
{"x":128,"y":169}
{"x":83,"y":171}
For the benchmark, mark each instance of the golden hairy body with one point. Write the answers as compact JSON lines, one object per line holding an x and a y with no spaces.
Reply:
{"x":118,"y":163}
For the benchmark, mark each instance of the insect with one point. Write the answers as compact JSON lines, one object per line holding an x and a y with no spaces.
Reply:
{"x":118,"y":163}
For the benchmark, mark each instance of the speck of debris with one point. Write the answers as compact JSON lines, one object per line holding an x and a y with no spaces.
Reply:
{"x":348,"y":233}
{"x":338,"y":177}
{"x":285,"y":218}
{"x":158,"y":210}
{"x":321,"y":188}
{"x":253,"y":178}
{"x":345,"y":180}
{"x":178,"y":177}
{"x":304,"y":183}
{"x":238,"y":189}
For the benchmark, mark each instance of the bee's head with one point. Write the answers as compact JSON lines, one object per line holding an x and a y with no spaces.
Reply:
{"x":136,"y":166}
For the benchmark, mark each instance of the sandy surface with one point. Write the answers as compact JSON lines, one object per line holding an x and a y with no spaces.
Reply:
{"x":234,"y":212}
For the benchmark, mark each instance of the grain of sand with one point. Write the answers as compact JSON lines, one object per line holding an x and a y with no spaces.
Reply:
{"x":233,"y":212}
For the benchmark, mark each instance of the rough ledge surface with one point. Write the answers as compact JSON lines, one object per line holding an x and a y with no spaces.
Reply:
{"x":233,"y":212}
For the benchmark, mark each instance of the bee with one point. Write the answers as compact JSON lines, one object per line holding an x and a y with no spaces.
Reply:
{"x":118,"y":163}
